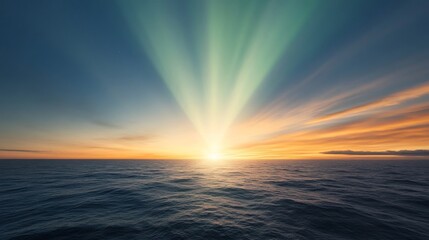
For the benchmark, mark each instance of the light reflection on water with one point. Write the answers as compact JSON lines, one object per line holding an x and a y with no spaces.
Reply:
{"x":214,"y":200}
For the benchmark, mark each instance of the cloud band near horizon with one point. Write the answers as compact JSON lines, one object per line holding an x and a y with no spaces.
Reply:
{"x":413,"y":153}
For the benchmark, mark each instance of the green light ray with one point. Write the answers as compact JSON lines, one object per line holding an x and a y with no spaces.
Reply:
{"x":213,"y":55}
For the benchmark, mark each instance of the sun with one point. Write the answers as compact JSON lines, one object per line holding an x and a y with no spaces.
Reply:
{"x":214,"y":156}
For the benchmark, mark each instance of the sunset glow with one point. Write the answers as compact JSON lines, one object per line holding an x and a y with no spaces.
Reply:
{"x":177,"y":79}
{"x":214,"y":156}
{"x":214,"y":119}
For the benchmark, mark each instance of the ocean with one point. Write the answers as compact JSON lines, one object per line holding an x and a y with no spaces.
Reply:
{"x":107,"y":199}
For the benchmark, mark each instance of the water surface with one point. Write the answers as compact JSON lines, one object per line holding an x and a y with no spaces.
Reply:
{"x":200,"y":200}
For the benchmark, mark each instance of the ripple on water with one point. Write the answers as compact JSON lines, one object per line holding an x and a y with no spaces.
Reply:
{"x":187,"y":200}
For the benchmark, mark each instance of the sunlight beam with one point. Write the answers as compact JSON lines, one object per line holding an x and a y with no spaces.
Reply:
{"x":214,"y":57}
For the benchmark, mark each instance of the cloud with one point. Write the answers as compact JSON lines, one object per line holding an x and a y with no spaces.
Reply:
{"x":105,"y":124}
{"x":414,"y":153}
{"x":21,"y":150}
{"x":136,"y":138}
{"x":394,"y":129}
{"x":105,"y":148}
{"x":388,"y":101}
{"x":129,"y":138}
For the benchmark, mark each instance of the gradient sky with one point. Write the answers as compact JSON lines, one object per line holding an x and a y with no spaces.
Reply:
{"x":242,"y":79}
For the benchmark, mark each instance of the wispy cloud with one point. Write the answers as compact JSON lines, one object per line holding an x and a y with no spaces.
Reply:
{"x":139,"y":138}
{"x":402,"y":128}
{"x":105,"y":124}
{"x":104,"y":148}
{"x":127,"y":139}
{"x":388,"y":101}
{"x":415,"y":153}
{"x":21,"y":150}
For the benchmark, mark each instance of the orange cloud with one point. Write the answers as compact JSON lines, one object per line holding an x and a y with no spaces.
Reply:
{"x":404,"y":127}
{"x":388,"y":101}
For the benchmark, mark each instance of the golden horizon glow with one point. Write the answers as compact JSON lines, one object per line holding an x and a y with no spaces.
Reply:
{"x":214,"y":156}
{"x":220,"y":80}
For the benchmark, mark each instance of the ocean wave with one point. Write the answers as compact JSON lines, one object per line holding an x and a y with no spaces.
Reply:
{"x":190,"y":200}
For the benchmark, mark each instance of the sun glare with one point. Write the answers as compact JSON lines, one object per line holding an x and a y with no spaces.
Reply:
{"x":213,"y":156}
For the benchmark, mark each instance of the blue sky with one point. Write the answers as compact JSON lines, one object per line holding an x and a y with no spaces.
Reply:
{"x":145,"y":79}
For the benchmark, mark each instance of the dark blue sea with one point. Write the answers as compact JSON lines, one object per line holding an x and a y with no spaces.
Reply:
{"x":226,"y":200}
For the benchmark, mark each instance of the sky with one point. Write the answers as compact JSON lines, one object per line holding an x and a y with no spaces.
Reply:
{"x":250,"y":79}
